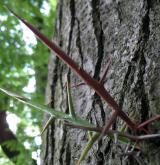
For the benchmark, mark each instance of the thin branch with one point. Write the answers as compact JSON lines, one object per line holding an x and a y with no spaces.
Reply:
{"x":112,"y":132}
{"x":109,"y":124}
{"x":148,"y":121}
{"x":105,"y":71}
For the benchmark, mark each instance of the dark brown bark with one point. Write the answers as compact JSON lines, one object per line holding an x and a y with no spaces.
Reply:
{"x":91,"y":32}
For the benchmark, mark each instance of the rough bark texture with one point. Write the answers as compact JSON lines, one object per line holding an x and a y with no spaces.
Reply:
{"x":90,"y":31}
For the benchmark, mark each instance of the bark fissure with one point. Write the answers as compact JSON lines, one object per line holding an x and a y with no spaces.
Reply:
{"x":51,"y":131}
{"x":100,"y":154}
{"x":142,"y":64}
{"x":68,"y":155}
{"x":52,"y":128}
{"x":126,"y":83}
{"x":99,"y":34}
{"x":53,"y":141}
{"x":78,"y":43}
{"x":97,"y":100}
{"x":145,"y":22}
{"x":63,"y":143}
{"x":54,"y":82}
{"x":53,"y":87}
{"x":64,"y":137}
{"x":141,"y":90}
{"x":103,"y":115}
{"x":72,"y":11}
{"x":97,"y":25}
{"x":60,"y":16}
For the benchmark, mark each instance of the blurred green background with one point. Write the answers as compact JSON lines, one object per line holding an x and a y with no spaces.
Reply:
{"x":23,"y":69}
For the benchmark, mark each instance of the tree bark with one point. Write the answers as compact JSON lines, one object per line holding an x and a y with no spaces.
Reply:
{"x":91,"y":31}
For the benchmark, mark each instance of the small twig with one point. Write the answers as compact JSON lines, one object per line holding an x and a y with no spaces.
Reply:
{"x":46,"y":125}
{"x":94,"y":129}
{"x":105,"y":71}
{"x":148,"y":121}
{"x":109,"y":124}
{"x":77,"y":85}
{"x":112,"y":132}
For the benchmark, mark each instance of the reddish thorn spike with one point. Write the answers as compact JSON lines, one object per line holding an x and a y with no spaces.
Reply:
{"x":109,"y":124}
{"x":105,"y":71}
{"x":149,"y":121}
{"x":77,"y":85}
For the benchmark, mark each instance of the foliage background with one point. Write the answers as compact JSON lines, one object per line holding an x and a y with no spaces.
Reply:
{"x":22,"y":61}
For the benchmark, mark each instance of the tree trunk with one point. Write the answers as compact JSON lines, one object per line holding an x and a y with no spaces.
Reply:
{"x":91,"y":31}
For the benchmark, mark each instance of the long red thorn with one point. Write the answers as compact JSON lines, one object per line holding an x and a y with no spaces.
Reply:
{"x":99,"y":89}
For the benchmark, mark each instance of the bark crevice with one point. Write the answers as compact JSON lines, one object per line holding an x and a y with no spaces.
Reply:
{"x":68,"y":155}
{"x":97,"y":25}
{"x":78,"y":42}
{"x":72,"y":11}
{"x":63,"y":143}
